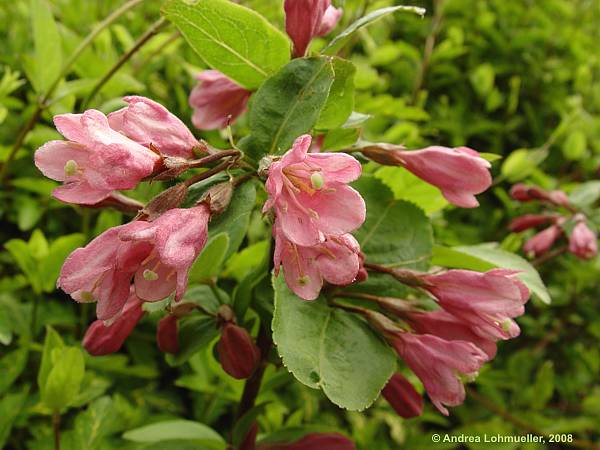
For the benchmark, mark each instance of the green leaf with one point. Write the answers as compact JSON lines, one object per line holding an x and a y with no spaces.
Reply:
{"x":364,"y":21}
{"x":340,"y":101}
{"x":22,"y":256}
{"x":176,"y":429}
{"x":57,"y":253}
{"x":11,"y":366}
{"x":51,"y":342}
{"x":64,"y":379}
{"x":97,"y":422}
{"x":487,"y":256}
{"x":340,"y":139}
{"x":585,"y":194}
{"x":6,"y":327}
{"x":575,"y":146}
{"x":544,"y":386}
{"x":288,"y":105}
{"x":194,"y":333}
{"x":240,"y":264}
{"x":521,"y":163}
{"x":208,"y":265}
{"x":234,"y":221}
{"x":330,"y":349}
{"x":10,"y":407}
{"x":47,"y":41}
{"x":231,"y":38}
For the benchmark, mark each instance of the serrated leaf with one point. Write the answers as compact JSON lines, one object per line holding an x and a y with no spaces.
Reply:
{"x":231,"y":38}
{"x":330,"y":349}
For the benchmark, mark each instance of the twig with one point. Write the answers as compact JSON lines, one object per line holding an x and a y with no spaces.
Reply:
{"x":548,"y":256}
{"x":56,"y":430}
{"x":209,"y":173}
{"x":42,"y":103}
{"x":151,"y":32}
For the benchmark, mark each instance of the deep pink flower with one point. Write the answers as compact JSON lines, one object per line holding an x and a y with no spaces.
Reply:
{"x":336,"y":260}
{"x":310,"y":196}
{"x":403,"y":397}
{"x":442,"y":324}
{"x":173,"y":242}
{"x":583,"y":242}
{"x":148,"y":122}
{"x":238,"y":354}
{"x":524,"y":193}
{"x":305,"y":19}
{"x":528,"y":221}
{"x":439,"y":364}
{"x":166,"y":334}
{"x":94,"y":161}
{"x":542,"y":241}
{"x":217,"y":100}
{"x":487,"y":301}
{"x":102,"y":338}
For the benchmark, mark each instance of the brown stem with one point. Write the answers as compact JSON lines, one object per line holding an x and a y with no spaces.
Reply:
{"x":151,"y":32}
{"x":252,"y":386}
{"x":211,"y":158}
{"x":56,"y":430}
{"x":378,"y":268}
{"x":548,"y":256}
{"x":209,"y":173}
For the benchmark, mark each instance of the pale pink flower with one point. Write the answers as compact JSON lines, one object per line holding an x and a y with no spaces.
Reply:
{"x":217,"y":100}
{"x":173,"y":242}
{"x":439,"y":364}
{"x":442,"y":324}
{"x":403,"y":397}
{"x":542,"y":241}
{"x":103,"y":338}
{"x":583,"y":242}
{"x":528,"y":221}
{"x":166,"y":334}
{"x":305,"y":19}
{"x":94,"y":161}
{"x":459,"y":173}
{"x":336,"y":260}
{"x":310,"y":195}
{"x":150,"y":123}
{"x":487,"y":301}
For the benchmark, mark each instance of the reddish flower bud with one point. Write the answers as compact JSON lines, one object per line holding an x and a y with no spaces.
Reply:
{"x":249,"y":442}
{"x":583,"y":242}
{"x":403,"y":397}
{"x":238,"y":353}
{"x":166,"y":334}
{"x":528,"y":221}
{"x":102,"y":339}
{"x":523,"y":193}
{"x":305,"y":19}
{"x":542,"y":241}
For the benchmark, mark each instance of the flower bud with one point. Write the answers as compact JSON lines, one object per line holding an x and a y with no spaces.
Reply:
{"x":583,"y":242}
{"x":218,"y":197}
{"x":542,"y":241}
{"x":403,"y":397}
{"x":528,"y":221}
{"x":238,"y":353}
{"x":102,"y":339}
{"x":166,"y":200}
{"x":166,"y":334}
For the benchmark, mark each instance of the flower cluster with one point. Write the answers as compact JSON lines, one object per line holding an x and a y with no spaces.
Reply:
{"x":563,"y":220}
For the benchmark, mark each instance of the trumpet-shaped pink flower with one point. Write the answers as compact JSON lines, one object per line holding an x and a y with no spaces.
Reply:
{"x":542,"y":241}
{"x":305,"y":19}
{"x":102,"y":338}
{"x":442,"y":324}
{"x":217,"y":100}
{"x":528,"y":221}
{"x":166,"y":334}
{"x":336,"y":260}
{"x":309,"y":194}
{"x":94,"y":161}
{"x":459,"y":173}
{"x":439,"y":363}
{"x":173,"y":242}
{"x":487,"y":301}
{"x":583,"y":242}
{"x":403,"y":397}
{"x":150,"y":123}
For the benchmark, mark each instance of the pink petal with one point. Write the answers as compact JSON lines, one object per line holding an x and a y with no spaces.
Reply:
{"x":81,"y":193}
{"x":51,"y":158}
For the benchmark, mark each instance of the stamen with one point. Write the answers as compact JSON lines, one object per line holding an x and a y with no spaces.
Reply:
{"x":150,"y":275}
{"x":71,"y":168}
{"x":87,"y":297}
{"x":303,"y":281}
{"x":317,"y":181}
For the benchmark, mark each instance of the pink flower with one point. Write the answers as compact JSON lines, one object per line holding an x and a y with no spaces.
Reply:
{"x":173,"y":242}
{"x":487,"y":301}
{"x":305,"y":19}
{"x":528,"y":221}
{"x":238,"y":354}
{"x":524,"y":193}
{"x":148,"y":122}
{"x":583,"y":242}
{"x":166,"y":334}
{"x":102,"y":338}
{"x":542,"y":241}
{"x":217,"y":100}
{"x":336,"y":260}
{"x":403,"y":397}
{"x":439,"y":364}
{"x":94,"y":161}
{"x":442,"y":324}
{"x":459,"y":173}
{"x":310,"y":196}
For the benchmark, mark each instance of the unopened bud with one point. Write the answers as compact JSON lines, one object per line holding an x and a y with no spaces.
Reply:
{"x":166,"y":334}
{"x":169,"y":199}
{"x":386,"y":154}
{"x":403,"y":397}
{"x":218,"y":197}
{"x":238,"y":353}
